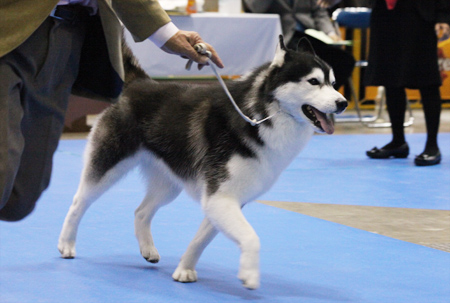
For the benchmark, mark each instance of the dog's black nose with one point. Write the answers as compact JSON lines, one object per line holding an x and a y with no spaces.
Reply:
{"x":341,"y":105}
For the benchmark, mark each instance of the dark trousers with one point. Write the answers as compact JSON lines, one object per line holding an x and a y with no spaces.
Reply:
{"x":36,"y":81}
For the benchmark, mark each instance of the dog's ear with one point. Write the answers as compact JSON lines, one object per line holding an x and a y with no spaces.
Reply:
{"x":280,"y":53}
{"x":281,"y":43}
{"x":305,"y":46}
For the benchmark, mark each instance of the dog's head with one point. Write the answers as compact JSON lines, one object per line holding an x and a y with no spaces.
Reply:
{"x":303,"y":85}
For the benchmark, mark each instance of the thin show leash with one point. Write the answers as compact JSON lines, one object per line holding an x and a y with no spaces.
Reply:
{"x":202,"y":49}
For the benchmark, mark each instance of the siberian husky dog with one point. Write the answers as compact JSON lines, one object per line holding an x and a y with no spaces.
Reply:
{"x":191,"y":137}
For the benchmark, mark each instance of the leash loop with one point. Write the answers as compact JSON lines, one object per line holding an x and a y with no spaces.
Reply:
{"x":202,"y":49}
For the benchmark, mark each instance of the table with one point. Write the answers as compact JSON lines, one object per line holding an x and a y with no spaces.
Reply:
{"x":243,"y":41}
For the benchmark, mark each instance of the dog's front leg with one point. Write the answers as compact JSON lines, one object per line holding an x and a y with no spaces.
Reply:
{"x":226,"y":215}
{"x":185,"y":271}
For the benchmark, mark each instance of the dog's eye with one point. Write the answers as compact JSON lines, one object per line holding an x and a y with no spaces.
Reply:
{"x":334,"y":85}
{"x":314,"y":81}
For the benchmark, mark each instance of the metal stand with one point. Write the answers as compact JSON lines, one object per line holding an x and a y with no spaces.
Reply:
{"x":377,"y":119}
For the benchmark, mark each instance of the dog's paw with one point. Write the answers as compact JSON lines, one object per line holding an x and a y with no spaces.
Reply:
{"x":184,"y":275}
{"x":250,"y":279}
{"x":150,"y":254}
{"x":67,"y":250}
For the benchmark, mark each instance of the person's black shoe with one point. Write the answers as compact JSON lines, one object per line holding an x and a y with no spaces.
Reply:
{"x":425,"y":159}
{"x":384,"y":153}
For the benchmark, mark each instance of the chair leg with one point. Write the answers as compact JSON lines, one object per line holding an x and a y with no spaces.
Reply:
{"x":358,"y":117}
{"x":374,"y":121}
{"x":410,"y":121}
{"x":379,"y":124}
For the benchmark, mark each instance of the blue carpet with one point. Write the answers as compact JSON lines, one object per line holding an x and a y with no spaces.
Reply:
{"x":303,"y":259}
{"x":336,"y":170}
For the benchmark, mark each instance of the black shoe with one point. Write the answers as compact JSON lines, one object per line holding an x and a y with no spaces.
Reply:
{"x":399,"y":152}
{"x":426,"y":160}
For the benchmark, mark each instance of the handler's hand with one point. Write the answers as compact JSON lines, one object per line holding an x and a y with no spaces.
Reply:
{"x":182,"y":44}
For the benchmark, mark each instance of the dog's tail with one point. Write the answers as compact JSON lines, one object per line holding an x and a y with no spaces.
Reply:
{"x":133,"y":70}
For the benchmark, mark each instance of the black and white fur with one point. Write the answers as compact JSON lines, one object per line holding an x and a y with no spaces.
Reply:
{"x":191,"y":137}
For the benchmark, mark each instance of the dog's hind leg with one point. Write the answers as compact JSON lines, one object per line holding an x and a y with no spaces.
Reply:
{"x":84,"y":197}
{"x":89,"y":190}
{"x":226,"y":215}
{"x":185,"y":271}
{"x":161,"y":191}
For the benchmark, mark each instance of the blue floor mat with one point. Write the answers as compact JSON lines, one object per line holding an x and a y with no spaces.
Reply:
{"x":303,"y":259}
{"x":336,"y":170}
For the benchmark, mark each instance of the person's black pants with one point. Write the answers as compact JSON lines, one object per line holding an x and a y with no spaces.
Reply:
{"x":36,"y":81}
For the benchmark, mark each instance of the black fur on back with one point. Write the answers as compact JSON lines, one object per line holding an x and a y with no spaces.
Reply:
{"x":159,"y":117}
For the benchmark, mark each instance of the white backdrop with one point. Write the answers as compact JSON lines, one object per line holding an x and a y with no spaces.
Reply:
{"x":243,"y":41}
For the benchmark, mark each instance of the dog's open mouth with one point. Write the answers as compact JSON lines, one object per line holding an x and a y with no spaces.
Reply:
{"x":318,"y":118}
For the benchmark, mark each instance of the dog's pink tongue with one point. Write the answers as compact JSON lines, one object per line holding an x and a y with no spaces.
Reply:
{"x":326,"y":124}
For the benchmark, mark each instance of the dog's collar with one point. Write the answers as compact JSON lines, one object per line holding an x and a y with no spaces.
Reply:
{"x":201,"y":48}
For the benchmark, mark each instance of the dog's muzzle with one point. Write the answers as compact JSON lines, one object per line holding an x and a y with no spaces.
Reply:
{"x":341,"y":105}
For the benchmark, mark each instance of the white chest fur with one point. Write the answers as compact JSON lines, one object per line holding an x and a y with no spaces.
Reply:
{"x":251,"y":177}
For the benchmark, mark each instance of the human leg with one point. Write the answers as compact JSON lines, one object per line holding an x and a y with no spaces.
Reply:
{"x":396,"y":106}
{"x":431,"y":103}
{"x":40,"y":74}
{"x":11,"y":139}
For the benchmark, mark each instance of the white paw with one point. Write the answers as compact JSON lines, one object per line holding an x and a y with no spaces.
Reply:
{"x":150,"y":254}
{"x":249,"y":278}
{"x":67,"y":249}
{"x":184,"y":275}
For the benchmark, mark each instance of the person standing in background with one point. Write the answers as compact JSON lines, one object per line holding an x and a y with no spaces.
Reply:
{"x":50,"y":49}
{"x":297,"y":16}
{"x":403,"y":54}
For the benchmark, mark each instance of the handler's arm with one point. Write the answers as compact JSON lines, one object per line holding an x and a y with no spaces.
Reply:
{"x":145,"y":18}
